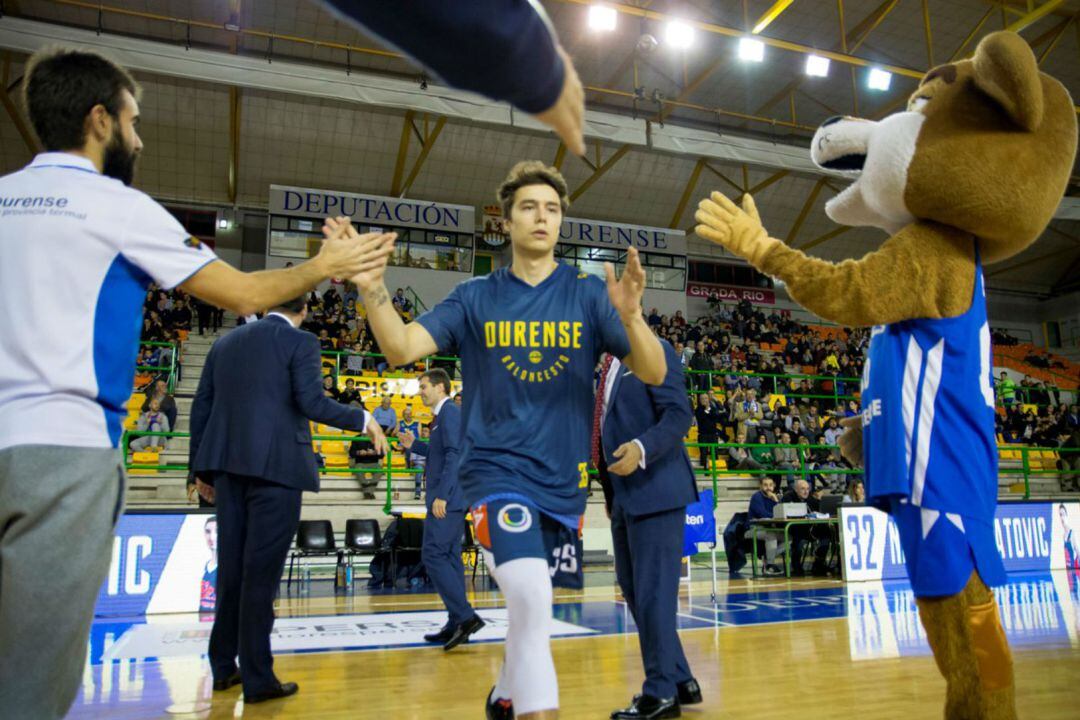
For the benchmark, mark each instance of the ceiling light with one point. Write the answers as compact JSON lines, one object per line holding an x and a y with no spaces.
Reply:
{"x":602,"y":18}
{"x":751,"y":50}
{"x":817,"y":66}
{"x":222,"y":224}
{"x":878,"y":79}
{"x":679,"y":34}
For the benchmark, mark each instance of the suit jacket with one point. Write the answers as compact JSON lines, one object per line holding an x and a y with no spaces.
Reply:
{"x":442,"y":451}
{"x":261,"y":385}
{"x":659,"y":417}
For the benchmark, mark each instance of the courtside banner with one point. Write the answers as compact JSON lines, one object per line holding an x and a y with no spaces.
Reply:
{"x":161,"y":563}
{"x":1030,"y":536}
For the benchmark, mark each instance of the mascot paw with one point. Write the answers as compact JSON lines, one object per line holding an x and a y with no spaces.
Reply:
{"x":851,"y":441}
{"x":737,"y":229}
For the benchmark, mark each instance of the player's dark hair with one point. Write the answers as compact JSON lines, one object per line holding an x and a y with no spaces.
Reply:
{"x":438,"y":376}
{"x":531,"y":172}
{"x":294,"y":306}
{"x":60,"y":88}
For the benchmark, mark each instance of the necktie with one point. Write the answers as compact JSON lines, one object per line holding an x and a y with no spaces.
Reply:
{"x":598,"y":410}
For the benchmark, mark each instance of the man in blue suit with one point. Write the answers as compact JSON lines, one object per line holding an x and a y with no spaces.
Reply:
{"x":445,"y":523}
{"x":648,"y":482}
{"x":251,"y":455}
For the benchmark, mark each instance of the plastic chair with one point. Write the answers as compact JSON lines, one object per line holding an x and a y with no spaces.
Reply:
{"x":313,"y":538}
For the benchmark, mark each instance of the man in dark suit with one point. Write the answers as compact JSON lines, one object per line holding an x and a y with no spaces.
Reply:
{"x":251,"y":454}
{"x":445,"y":521}
{"x":648,"y":482}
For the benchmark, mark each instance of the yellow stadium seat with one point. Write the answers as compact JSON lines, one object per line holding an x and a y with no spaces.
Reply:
{"x":775,"y":400}
{"x":135,"y":402}
{"x":336,"y":460}
{"x":144,"y":458}
{"x":333,"y":448}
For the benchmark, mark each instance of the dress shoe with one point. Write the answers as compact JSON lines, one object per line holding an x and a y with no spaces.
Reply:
{"x":463,"y":631}
{"x":279,"y":691}
{"x":499,"y":709}
{"x":647,"y":707}
{"x":689,"y":692}
{"x":442,"y":636}
{"x":227,"y":683}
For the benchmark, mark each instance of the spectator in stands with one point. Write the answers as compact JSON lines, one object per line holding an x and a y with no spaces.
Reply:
{"x":363,"y":454}
{"x":401,"y":303}
{"x":654,"y":319}
{"x":326,"y":342}
{"x":409,"y":425}
{"x":852,"y":409}
{"x":457,"y":399}
{"x":702,"y":363}
{"x":761,"y":452}
{"x":354,"y":362}
{"x":856,"y":492}
{"x":181,"y":316}
{"x":833,"y":431}
{"x":740,"y":455}
{"x":786,"y":458}
{"x":386,"y":417}
{"x":330,"y":387}
{"x":152,"y":420}
{"x":1006,"y":389}
{"x":678,"y":321}
{"x":761,"y":508}
{"x":707,"y":416}
{"x":331,"y":299}
{"x":749,"y":413}
{"x":165,"y":401}
{"x":795,"y":426}
{"x":350,"y":394}
{"x":812,"y":419}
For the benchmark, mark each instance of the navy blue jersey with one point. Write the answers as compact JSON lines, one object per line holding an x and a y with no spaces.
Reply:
{"x":527,"y":360}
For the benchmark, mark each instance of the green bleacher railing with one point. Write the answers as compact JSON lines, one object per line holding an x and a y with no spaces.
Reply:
{"x":787,"y":391}
{"x":712,"y":472}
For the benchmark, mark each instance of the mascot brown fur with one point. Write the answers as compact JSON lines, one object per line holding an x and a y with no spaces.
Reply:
{"x":980,"y":158}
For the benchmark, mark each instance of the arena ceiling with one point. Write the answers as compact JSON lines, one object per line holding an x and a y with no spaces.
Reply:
{"x":217,"y":143}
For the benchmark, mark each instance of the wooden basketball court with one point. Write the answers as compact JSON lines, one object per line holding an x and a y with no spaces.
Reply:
{"x":767,"y":649}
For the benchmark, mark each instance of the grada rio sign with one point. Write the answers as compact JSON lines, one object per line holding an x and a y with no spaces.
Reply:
{"x":730,"y":293}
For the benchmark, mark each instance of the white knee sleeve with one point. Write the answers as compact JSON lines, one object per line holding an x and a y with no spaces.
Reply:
{"x":528,"y":674}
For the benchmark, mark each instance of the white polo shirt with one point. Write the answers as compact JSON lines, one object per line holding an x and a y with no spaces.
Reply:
{"x":77,"y":252}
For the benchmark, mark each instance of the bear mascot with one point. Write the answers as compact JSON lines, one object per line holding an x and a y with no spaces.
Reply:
{"x":970,"y":174}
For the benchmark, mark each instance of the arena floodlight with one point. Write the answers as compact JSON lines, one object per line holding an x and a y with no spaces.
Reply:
{"x":223,"y":223}
{"x":878,"y":79}
{"x":817,"y":66}
{"x":751,"y":50}
{"x":602,"y":18}
{"x":679,"y":34}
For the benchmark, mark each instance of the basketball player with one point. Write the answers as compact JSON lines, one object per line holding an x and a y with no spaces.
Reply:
{"x":208,"y":586}
{"x":529,"y":337}
{"x":79,"y":249}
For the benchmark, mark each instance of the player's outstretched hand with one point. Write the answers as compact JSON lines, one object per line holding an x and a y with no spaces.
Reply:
{"x":378,"y":437}
{"x":626,"y":292}
{"x":370,"y":250}
{"x":567,"y":116}
{"x":737,"y":229}
{"x":850,"y":441}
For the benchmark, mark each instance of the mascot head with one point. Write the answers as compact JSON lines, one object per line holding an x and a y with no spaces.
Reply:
{"x":986,"y":145}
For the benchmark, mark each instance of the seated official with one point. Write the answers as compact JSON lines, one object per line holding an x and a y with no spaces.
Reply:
{"x":761,"y":508}
{"x":803,"y":536}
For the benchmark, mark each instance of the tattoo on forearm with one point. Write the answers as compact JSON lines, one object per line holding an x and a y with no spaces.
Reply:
{"x":378,"y":298}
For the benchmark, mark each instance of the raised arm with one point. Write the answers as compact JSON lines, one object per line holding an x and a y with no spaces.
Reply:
{"x":401,"y":343}
{"x":937,"y":282}
{"x":307,"y":390}
{"x":646,"y":356}
{"x":223,"y":285}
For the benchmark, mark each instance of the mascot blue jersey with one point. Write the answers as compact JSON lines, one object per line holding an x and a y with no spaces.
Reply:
{"x":928,"y":413}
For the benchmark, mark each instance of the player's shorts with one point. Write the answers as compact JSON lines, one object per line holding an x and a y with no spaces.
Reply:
{"x":511,"y":528}
{"x":941,"y":563}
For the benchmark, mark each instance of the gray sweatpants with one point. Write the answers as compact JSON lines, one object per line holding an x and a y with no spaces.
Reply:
{"x":58,"y":508}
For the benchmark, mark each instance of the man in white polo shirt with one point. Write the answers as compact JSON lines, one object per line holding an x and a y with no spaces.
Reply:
{"x":78,"y":248}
